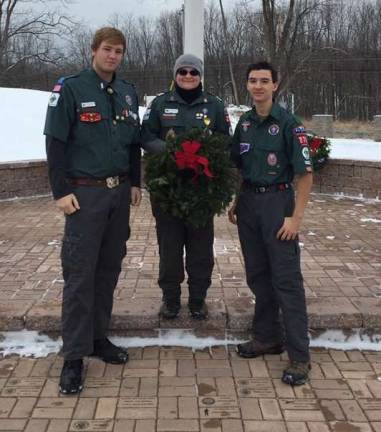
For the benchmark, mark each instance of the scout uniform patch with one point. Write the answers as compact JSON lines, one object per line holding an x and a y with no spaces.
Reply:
{"x":274,"y":129}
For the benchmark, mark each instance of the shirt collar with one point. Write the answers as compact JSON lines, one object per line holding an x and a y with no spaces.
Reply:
{"x":275,"y":112}
{"x":103,"y":85}
{"x":173,"y":96}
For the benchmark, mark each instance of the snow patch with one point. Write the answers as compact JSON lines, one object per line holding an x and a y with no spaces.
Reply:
{"x":371,"y":220}
{"x":32,"y":344}
{"x":27,"y":142}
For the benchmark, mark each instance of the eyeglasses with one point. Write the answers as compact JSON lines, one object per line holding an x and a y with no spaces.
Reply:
{"x":184,"y":72}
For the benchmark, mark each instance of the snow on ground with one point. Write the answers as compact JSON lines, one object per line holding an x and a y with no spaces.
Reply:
{"x":31,"y":344}
{"x":22,"y":117}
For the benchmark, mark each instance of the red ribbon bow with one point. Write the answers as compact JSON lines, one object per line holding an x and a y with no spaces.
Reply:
{"x":315,"y":144}
{"x":189,"y":159}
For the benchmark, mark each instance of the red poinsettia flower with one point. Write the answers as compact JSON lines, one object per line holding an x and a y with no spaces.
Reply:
{"x":188,"y":158}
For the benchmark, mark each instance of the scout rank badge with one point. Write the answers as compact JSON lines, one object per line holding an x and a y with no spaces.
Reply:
{"x":244,"y":148}
{"x":245,"y":126}
{"x":272,"y":160}
{"x":90,"y":117}
{"x":274,"y":129}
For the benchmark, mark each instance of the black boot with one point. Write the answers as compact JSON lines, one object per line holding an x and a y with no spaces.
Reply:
{"x":108,"y":352}
{"x":71,"y":380}
{"x":255,"y":348}
{"x":296,"y":373}
{"x":198,"y":309}
{"x":170,"y":308}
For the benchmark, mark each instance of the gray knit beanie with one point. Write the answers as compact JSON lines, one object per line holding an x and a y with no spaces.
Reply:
{"x":190,"y":61}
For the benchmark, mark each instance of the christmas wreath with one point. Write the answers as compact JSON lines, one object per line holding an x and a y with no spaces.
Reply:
{"x":193,"y":178}
{"x":320,"y":148}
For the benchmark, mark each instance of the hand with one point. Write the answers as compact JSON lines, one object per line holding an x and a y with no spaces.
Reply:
{"x":68,"y":204}
{"x":232,"y":213}
{"x":289,"y":230}
{"x":136,"y":196}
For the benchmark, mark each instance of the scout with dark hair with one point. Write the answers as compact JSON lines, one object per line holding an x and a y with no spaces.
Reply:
{"x":92,"y":141}
{"x":269,"y":148}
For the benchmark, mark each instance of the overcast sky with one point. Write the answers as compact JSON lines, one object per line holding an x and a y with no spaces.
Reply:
{"x":97,"y":12}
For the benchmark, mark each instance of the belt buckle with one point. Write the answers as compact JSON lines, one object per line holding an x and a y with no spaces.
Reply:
{"x":262,"y":189}
{"x":112,"y":182}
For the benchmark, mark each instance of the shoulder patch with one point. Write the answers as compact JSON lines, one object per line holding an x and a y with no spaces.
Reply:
{"x":58,"y":86}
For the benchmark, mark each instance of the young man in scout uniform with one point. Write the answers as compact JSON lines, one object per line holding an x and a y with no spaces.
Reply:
{"x":92,"y":140}
{"x":269,"y":148}
{"x":187,"y":106}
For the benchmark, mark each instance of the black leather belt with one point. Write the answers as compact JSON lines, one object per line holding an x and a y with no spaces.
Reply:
{"x":279,"y":187}
{"x":109,"y":182}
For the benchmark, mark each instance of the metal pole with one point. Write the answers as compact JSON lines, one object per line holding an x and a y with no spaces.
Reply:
{"x":194,"y":28}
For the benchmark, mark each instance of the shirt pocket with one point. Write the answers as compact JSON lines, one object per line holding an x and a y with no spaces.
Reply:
{"x":271,"y":158}
{"x":171,"y":123}
{"x":92,"y":124}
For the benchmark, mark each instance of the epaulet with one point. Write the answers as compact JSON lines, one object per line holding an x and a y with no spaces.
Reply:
{"x":128,"y":82}
{"x":65,"y":78}
{"x":164,"y":93}
{"x":217,"y":97}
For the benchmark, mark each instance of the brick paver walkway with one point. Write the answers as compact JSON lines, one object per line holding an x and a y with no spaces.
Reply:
{"x":341,"y":258}
{"x":174,"y":389}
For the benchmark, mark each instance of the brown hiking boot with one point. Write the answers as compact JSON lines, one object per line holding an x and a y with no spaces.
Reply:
{"x":255,"y":348}
{"x":296,"y":373}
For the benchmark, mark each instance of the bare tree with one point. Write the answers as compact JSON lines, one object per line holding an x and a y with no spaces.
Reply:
{"x":27,"y":35}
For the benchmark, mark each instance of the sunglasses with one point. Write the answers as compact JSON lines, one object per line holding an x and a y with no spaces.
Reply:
{"x":184,"y":72}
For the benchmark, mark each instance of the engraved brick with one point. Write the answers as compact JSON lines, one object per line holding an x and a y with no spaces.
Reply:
{"x":105,"y":425}
{"x":255,"y":387}
{"x":218,"y":407}
{"x":136,"y":408}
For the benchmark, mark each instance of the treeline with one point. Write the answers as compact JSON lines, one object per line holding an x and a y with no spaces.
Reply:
{"x":328,"y":52}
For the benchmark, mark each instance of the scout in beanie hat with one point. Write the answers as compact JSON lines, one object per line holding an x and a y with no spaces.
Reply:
{"x":188,"y":60}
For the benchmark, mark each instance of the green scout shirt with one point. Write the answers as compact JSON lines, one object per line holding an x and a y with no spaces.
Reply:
{"x":169,"y":111}
{"x":97,"y":120}
{"x":270,"y":151}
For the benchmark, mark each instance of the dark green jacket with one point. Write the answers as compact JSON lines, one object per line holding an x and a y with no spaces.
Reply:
{"x":170,"y":112}
{"x":99,"y":123}
{"x":270,"y":151}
